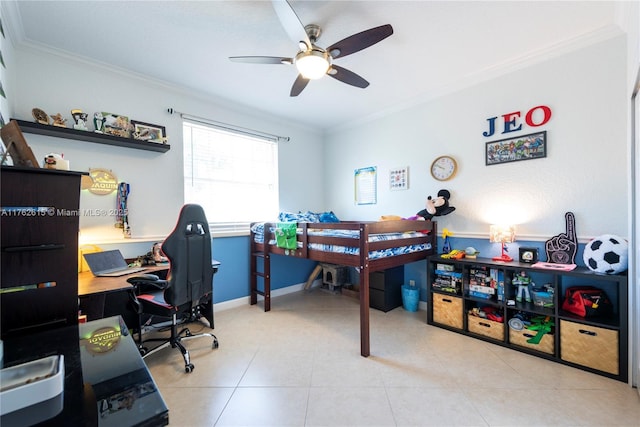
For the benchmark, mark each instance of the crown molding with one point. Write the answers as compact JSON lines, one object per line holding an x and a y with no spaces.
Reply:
{"x":474,"y":78}
{"x":12,"y":25}
{"x":627,"y":15}
{"x":225,"y":103}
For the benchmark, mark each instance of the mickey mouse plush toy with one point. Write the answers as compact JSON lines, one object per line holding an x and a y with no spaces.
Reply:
{"x":438,"y":206}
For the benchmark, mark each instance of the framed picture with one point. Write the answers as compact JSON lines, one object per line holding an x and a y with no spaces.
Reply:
{"x":148,"y":132}
{"x":365,"y":185}
{"x":525,"y":147}
{"x":399,"y":178}
{"x":529,"y":255}
{"x":116,"y":125}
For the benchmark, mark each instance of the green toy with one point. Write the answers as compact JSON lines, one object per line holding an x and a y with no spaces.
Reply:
{"x":541,"y":324}
{"x":286,"y":235}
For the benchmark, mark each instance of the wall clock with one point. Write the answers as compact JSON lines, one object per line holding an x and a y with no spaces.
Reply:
{"x":444,"y":168}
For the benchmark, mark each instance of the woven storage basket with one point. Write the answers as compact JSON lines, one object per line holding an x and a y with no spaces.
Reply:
{"x":447,"y":310}
{"x":519,"y":338}
{"x":589,"y":346}
{"x":485,"y":327}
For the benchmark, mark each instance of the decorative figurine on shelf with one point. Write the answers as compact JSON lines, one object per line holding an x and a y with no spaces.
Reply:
{"x":55,"y":161}
{"x":40,"y":116}
{"x":80,"y":119}
{"x":98,"y":122}
{"x":522,"y":281}
{"x":59,"y":121}
{"x":471,"y":252}
{"x":446,"y":245}
{"x":562,"y":248}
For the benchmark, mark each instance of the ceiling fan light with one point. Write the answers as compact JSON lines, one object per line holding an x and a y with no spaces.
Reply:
{"x":312,"y":64}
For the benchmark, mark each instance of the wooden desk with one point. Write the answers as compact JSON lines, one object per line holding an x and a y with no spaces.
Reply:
{"x":101,"y":297}
{"x":101,"y":387}
{"x":89,"y":284}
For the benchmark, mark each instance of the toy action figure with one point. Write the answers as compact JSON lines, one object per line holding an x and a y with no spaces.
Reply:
{"x":522,"y":281}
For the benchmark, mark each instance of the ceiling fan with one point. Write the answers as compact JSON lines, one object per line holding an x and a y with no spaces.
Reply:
{"x":312,"y":61}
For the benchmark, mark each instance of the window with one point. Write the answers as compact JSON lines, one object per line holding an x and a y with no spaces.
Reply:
{"x":233,"y":176}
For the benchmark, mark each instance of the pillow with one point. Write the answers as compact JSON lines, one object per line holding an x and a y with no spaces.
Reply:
{"x":328,"y":217}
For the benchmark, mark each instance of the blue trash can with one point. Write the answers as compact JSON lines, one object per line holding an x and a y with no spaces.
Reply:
{"x":410,"y":297}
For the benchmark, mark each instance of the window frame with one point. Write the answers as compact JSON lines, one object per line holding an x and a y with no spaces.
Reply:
{"x":226,"y":228}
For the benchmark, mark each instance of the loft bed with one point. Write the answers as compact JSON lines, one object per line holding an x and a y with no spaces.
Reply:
{"x":368,"y":246}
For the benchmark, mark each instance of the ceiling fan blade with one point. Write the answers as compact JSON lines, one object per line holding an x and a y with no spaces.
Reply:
{"x":262,"y":59}
{"x":359,"y":41}
{"x":298,"y":85}
{"x":291,"y":22}
{"x":348,"y":77}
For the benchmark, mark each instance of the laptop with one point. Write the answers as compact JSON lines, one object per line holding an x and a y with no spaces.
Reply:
{"x":109,"y":264}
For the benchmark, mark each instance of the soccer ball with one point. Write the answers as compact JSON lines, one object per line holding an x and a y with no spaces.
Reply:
{"x":607,"y":254}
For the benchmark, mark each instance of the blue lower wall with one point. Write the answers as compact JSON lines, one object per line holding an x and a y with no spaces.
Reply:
{"x":232,"y":280}
{"x":490,"y":250}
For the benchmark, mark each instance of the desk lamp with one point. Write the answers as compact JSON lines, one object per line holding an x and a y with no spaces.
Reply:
{"x":502,"y":234}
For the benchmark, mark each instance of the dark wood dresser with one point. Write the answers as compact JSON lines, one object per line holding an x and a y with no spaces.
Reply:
{"x":39,"y":238}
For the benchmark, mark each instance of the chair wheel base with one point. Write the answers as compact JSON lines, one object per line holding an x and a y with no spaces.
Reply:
{"x":215,"y":344}
{"x":143,"y":351}
{"x":189,"y":368}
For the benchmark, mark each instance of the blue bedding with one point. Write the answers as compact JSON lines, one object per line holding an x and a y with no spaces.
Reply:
{"x":353,"y":250}
{"x":258,"y":230}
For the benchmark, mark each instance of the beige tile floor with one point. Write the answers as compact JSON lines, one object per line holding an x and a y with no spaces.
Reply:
{"x":300,"y":365}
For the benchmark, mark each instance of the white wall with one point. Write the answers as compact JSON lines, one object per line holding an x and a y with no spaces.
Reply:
{"x":57,"y":83}
{"x":628,"y":17}
{"x":585,"y":171}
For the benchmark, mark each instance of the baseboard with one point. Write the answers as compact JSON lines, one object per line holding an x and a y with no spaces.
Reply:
{"x":238,"y":302}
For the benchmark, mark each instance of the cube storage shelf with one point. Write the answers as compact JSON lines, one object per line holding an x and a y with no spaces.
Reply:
{"x":478,"y":298}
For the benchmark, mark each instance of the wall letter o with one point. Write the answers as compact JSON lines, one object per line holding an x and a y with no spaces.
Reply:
{"x":546,"y":111}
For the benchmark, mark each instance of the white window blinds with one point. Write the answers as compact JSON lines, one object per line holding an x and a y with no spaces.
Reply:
{"x":233,"y":176}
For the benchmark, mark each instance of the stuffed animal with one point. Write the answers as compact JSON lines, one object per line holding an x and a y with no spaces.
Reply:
{"x":437,"y":206}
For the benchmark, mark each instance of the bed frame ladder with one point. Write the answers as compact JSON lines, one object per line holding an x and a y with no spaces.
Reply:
{"x":265,"y":274}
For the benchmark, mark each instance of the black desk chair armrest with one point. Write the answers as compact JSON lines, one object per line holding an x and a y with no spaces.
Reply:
{"x":147,"y":282}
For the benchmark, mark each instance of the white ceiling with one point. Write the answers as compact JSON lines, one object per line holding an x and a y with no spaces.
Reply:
{"x":437,"y":46}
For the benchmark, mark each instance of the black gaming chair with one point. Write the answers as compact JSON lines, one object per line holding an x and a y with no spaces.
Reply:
{"x":188,"y":287}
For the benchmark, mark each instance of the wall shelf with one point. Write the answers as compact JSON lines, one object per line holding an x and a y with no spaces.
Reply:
{"x":88,"y":136}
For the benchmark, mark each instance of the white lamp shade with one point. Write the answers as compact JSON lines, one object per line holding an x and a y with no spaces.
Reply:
{"x":502,"y":234}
